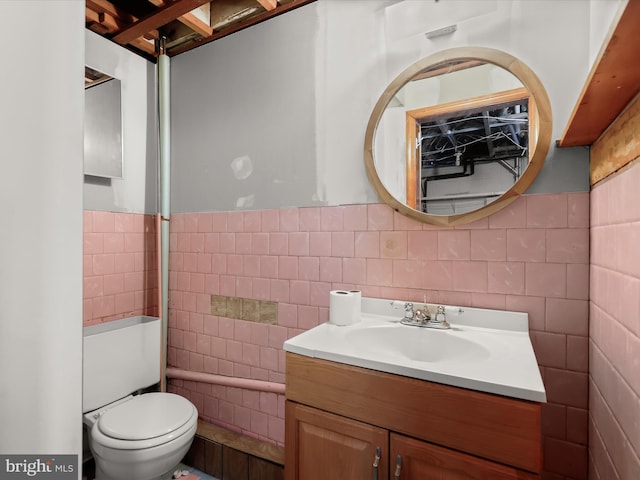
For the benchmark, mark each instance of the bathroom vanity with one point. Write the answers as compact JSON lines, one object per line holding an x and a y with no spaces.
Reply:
{"x":357,"y":414}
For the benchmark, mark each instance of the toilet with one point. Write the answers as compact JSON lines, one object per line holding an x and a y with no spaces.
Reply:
{"x":132,"y":435}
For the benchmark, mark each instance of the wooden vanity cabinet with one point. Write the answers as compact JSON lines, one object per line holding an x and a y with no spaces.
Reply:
{"x":426,"y":461}
{"x":336,"y":416}
{"x":333,"y":447}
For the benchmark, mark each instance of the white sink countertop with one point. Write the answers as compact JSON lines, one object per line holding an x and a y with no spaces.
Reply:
{"x":485,"y":350}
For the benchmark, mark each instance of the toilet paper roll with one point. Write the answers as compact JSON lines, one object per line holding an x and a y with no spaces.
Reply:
{"x":344,"y":307}
{"x":357,"y":307}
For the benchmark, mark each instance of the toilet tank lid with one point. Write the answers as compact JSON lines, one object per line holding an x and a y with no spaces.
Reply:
{"x":146,"y":416}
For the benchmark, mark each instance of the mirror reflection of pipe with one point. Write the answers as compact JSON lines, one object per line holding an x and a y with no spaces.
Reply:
{"x":476,"y":160}
{"x":463,"y":173}
{"x":514,"y":135}
{"x":462,"y":196}
{"x":446,"y":131}
{"x":486,"y":197}
{"x":510,"y":169}
{"x":468,"y":168}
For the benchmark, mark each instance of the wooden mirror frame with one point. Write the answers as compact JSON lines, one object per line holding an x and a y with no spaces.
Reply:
{"x":540,"y":122}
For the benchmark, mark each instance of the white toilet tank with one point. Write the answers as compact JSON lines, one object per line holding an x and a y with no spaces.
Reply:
{"x":119,"y":358}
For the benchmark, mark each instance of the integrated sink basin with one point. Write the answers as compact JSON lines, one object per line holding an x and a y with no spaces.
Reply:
{"x":484,"y":350}
{"x":415,"y":344}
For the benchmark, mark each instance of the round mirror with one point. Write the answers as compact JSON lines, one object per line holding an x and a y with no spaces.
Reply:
{"x":458,"y":135}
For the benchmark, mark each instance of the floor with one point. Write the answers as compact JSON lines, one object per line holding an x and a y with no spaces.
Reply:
{"x":192,"y":473}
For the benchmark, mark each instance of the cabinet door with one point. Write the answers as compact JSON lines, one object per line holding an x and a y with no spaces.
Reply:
{"x":322,"y":446}
{"x":425,"y":461}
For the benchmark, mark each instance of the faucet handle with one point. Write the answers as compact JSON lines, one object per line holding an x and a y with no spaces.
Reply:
{"x":406,"y":306}
{"x":440,"y":317}
{"x":408,"y":310}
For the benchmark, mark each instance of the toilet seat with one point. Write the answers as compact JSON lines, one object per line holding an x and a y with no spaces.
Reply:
{"x":145,"y":421}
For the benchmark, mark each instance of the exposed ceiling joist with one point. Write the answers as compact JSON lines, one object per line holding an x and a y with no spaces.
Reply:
{"x":104,"y":6}
{"x":145,"y":45}
{"x":106,"y":21}
{"x":268,"y":4}
{"x":107,"y":18}
{"x":161,"y":17}
{"x":186,"y":24}
{"x":230,"y":27}
{"x":190,"y":20}
{"x":228,"y":12}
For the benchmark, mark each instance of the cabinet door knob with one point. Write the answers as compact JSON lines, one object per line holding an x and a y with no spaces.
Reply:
{"x":396,"y":475}
{"x":376,"y":462}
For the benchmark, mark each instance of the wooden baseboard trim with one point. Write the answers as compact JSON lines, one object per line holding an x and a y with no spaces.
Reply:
{"x":242,"y":443}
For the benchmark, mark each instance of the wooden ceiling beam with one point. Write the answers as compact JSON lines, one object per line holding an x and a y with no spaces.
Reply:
{"x":104,"y":6}
{"x":152,"y":35}
{"x":98,"y":28}
{"x":114,"y":20}
{"x":144,"y":45}
{"x":230,"y":12}
{"x":91,"y":16}
{"x":285,"y":6}
{"x":107,"y":21}
{"x":195,"y":24}
{"x":161,"y":17}
{"x":268,"y":5}
{"x":190,"y":20}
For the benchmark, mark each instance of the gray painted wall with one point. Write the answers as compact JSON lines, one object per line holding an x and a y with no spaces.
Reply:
{"x":286,"y":103}
{"x":243,"y":119}
{"x":136,"y":191}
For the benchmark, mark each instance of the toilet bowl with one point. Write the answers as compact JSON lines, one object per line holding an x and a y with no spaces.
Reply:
{"x":141,"y":437}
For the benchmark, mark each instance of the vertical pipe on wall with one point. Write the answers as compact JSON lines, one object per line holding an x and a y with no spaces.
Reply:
{"x":159,"y":295}
{"x":164,"y":98}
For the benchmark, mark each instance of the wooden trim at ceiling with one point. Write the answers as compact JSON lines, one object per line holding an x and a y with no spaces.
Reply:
{"x":612,"y":84}
{"x":618,"y":146}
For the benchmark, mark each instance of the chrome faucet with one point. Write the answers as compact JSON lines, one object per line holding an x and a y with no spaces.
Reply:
{"x":421,"y":317}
